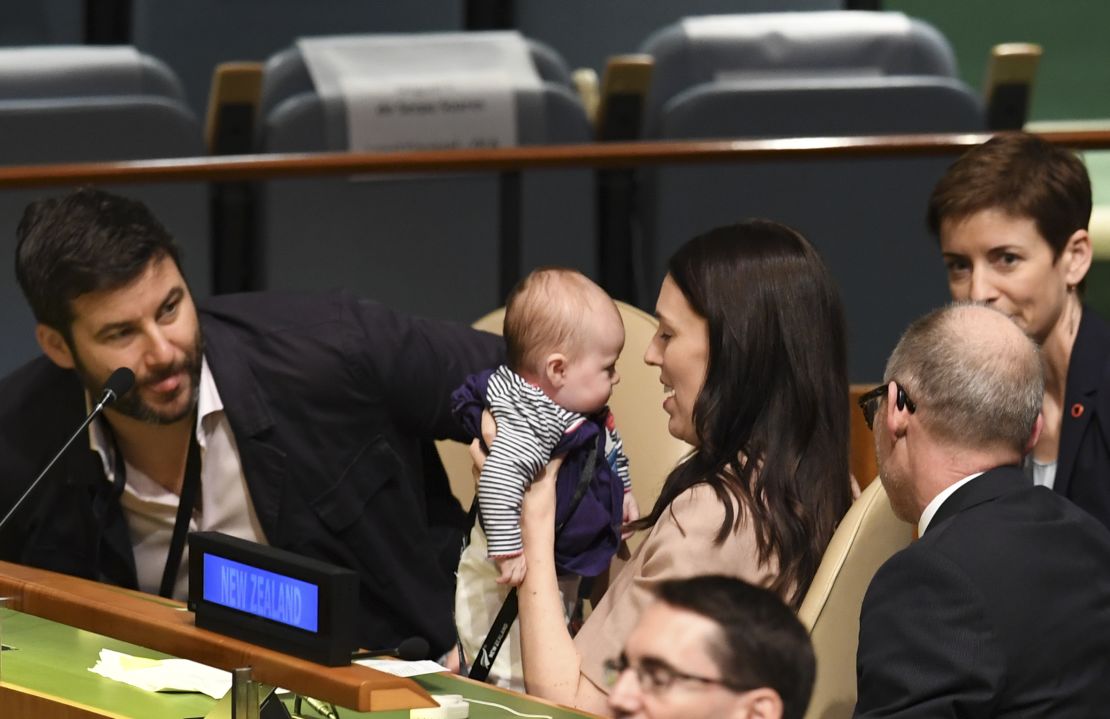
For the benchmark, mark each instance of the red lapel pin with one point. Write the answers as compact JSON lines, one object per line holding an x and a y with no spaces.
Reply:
{"x":1077,"y":410}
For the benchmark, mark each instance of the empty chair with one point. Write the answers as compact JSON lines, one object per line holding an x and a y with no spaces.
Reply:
{"x":867,"y":536}
{"x":706,"y":50}
{"x":425,"y":244}
{"x":811,"y":75}
{"x":863,"y":215}
{"x":92,"y":104}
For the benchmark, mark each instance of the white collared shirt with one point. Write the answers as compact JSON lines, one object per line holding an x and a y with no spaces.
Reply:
{"x":932,"y":507}
{"x":1044,"y":473}
{"x":151,"y":509}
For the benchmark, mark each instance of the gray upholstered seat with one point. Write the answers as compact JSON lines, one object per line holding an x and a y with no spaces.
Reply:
{"x":864,"y":215}
{"x":425,"y":244}
{"x":55,"y":71}
{"x":88,"y":104}
{"x":782,"y":45}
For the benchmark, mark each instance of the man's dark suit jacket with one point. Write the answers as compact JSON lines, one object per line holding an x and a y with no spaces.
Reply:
{"x":1083,"y":462}
{"x":1001,"y":609}
{"x":332,"y":402}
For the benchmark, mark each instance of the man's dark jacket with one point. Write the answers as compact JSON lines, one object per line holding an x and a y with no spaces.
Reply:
{"x":1001,"y":609}
{"x":333,"y":402}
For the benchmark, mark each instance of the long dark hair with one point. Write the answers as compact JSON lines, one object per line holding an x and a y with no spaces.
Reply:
{"x":772,"y":417}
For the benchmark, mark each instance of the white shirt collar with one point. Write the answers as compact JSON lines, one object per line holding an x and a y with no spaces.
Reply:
{"x":208,"y":397}
{"x":208,"y":403}
{"x":932,"y":507}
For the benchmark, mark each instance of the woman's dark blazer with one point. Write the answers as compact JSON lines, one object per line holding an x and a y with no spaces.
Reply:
{"x":1083,"y":461}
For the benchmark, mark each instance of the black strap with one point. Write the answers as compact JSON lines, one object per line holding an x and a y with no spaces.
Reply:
{"x":185,"y":505}
{"x":499,"y":631}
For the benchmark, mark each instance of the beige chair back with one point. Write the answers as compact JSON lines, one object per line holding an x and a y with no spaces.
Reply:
{"x":867,"y":536}
{"x":637,"y":405}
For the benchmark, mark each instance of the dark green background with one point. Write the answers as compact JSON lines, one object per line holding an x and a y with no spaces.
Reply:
{"x":1074,"y":76}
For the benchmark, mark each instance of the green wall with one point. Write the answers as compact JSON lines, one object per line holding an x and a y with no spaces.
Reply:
{"x":1073,"y":80}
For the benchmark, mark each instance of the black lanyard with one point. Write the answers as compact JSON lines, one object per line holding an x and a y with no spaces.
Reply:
{"x":499,"y":631}
{"x":185,"y":505}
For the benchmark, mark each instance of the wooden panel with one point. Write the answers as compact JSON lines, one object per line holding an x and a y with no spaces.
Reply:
{"x":167,"y":627}
{"x":20,"y":702}
{"x":861,"y":452}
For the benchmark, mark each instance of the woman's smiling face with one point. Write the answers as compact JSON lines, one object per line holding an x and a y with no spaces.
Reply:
{"x":680,"y":349}
{"x":1003,"y":261}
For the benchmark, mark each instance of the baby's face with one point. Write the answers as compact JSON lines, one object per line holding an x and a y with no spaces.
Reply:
{"x":591,"y":375}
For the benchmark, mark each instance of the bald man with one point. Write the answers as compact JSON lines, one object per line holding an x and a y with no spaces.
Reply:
{"x":1002,"y":608}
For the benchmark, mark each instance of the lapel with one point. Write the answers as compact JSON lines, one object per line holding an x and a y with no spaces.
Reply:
{"x":1087,"y":368}
{"x":251,"y":421}
{"x":114,"y":557}
{"x":984,"y":488}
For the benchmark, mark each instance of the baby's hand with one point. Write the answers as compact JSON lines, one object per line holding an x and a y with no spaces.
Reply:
{"x":512,"y":569}
{"x":630,"y":512}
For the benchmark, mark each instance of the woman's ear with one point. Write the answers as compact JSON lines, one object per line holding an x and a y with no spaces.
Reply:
{"x":54,"y":346}
{"x":1077,"y":256}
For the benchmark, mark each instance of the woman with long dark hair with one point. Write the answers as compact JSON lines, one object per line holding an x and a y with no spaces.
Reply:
{"x":751,"y":354}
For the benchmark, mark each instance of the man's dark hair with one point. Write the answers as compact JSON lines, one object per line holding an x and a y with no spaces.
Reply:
{"x":86,"y":241}
{"x":761,"y":644}
{"x":1023,"y":176}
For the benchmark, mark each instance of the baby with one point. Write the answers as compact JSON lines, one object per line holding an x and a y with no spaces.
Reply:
{"x":563,"y":334}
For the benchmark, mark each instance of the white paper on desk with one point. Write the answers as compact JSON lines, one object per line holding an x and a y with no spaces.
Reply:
{"x":163,"y":675}
{"x":403,"y":669}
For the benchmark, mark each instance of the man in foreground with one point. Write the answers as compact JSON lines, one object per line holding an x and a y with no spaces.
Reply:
{"x":715,"y":648}
{"x":303,"y":422}
{"x":1002,"y":608}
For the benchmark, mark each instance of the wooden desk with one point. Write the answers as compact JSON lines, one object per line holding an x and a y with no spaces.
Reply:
{"x":60,"y":623}
{"x":47,"y":677}
{"x":167,"y":627}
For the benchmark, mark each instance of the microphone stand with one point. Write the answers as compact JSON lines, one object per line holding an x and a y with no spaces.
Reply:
{"x":106,"y":399}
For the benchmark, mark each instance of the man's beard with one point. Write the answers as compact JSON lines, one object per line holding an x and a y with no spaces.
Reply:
{"x":132,"y":405}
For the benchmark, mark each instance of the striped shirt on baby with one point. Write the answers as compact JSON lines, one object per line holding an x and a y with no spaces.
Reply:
{"x":529,"y":425}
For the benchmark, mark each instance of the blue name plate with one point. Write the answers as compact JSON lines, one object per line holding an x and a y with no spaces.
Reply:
{"x":273,"y":597}
{"x":264,"y":594}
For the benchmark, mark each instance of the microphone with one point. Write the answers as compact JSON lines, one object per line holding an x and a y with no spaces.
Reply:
{"x":409,"y":650}
{"x":119,"y":383}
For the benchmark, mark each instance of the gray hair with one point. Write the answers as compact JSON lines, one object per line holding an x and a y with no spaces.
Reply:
{"x":974,"y":385}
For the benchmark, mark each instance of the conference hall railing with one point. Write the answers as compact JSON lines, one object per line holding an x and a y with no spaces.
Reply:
{"x":509,"y":162}
{"x":512,"y":159}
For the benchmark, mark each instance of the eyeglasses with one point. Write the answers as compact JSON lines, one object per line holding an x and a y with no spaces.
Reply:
{"x":656,"y":677}
{"x":869,"y":402}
